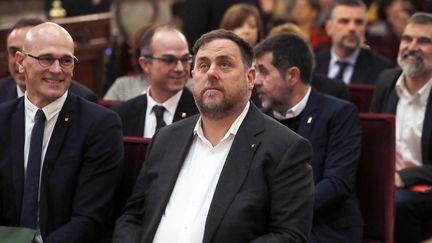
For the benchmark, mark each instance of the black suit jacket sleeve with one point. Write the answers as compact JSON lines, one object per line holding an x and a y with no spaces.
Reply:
{"x":341,"y":159}
{"x":99,"y":174}
{"x":290,"y":185}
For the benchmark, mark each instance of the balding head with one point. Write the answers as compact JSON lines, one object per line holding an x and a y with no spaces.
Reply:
{"x":47,"y":32}
{"x":47,"y":63}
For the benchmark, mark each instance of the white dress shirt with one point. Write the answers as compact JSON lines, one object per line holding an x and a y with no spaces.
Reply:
{"x":19,"y":91}
{"x":349,"y":70}
{"x":150,"y":118}
{"x":295,"y":110}
{"x":51,"y":112}
{"x":186,"y":212}
{"x":410,"y":115}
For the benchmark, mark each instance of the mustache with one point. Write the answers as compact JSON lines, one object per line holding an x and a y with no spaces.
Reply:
{"x":213,"y":84}
{"x":416,"y":54}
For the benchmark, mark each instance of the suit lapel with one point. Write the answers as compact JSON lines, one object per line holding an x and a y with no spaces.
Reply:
{"x":393,"y":98}
{"x":427,"y":131}
{"x":323,"y":62}
{"x":17,"y":153}
{"x":309,"y":115}
{"x":360,"y":69}
{"x":170,"y":166}
{"x":185,"y":106}
{"x":234,"y":171}
{"x":138,"y":117}
{"x":66,"y":116}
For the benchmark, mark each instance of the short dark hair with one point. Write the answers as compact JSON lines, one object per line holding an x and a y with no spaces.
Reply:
{"x":25,"y":22}
{"x":421,"y":18}
{"x":288,"y":50}
{"x":146,"y":42}
{"x":349,"y":3}
{"x":245,"y":49}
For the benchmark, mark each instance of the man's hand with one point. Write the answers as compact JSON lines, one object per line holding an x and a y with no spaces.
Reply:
{"x":398,"y":181}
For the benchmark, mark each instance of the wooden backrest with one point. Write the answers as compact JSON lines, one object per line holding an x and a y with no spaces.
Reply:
{"x":375,"y":176}
{"x":361,"y":95}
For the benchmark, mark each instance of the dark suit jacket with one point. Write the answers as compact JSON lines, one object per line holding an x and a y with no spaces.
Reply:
{"x":8,"y":90}
{"x":385,"y":100}
{"x":264,"y":192}
{"x":366,"y":69}
{"x":333,"y":128}
{"x":330,"y":86}
{"x":133,"y":112}
{"x":81,"y":169}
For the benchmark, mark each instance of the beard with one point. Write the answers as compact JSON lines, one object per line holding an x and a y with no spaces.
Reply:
{"x":349,"y":45}
{"x":223,"y":108}
{"x":414,"y":69}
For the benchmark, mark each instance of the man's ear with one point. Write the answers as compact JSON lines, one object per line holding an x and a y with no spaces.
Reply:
{"x":144,"y":64}
{"x":19,"y":58}
{"x":250,"y":76}
{"x":292,"y":76}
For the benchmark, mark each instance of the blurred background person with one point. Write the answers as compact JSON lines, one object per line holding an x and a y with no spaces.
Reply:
{"x":132,"y":84}
{"x":245,"y":21}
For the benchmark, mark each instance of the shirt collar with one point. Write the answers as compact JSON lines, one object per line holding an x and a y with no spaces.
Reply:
{"x":231,"y":131}
{"x":170,"y":104}
{"x":351,"y":59}
{"x":49,"y":110}
{"x":20,"y":93}
{"x":295,"y":110}
{"x":403,"y":92}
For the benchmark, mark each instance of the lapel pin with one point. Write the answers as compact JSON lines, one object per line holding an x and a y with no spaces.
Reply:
{"x":66,"y":119}
{"x":183,"y":115}
{"x":253,"y":145}
{"x":309,"y":120}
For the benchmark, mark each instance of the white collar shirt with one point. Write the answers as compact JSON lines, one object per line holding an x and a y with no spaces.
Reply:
{"x":186,"y":212}
{"x":410,"y":115}
{"x":349,"y":70}
{"x":20,"y":93}
{"x":295,"y":110}
{"x":168,"y":116}
{"x":51,"y":112}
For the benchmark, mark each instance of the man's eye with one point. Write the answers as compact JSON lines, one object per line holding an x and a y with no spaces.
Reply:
{"x":225,"y":64}
{"x":169,"y":59}
{"x":203,"y":67}
{"x":66,"y":60}
{"x":46,"y":59}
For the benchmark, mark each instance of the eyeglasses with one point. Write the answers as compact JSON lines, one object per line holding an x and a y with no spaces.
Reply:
{"x":172,"y":60}
{"x":12,"y":51}
{"x":48,"y":60}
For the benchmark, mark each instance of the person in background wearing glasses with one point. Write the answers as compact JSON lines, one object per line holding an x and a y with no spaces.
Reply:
{"x":166,"y":60}
{"x":60,"y":155}
{"x":13,"y":86}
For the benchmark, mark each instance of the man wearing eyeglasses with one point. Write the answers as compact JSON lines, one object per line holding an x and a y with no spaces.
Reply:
{"x":166,"y":60}
{"x":13,"y":86}
{"x":60,"y":155}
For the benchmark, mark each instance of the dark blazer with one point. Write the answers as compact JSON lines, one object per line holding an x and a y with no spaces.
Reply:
{"x":80,"y":172}
{"x":333,"y":128}
{"x":133,"y":112}
{"x":385,"y":100}
{"x":264,"y":192}
{"x":330,"y":86}
{"x":8,"y":90}
{"x":366,"y":69}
